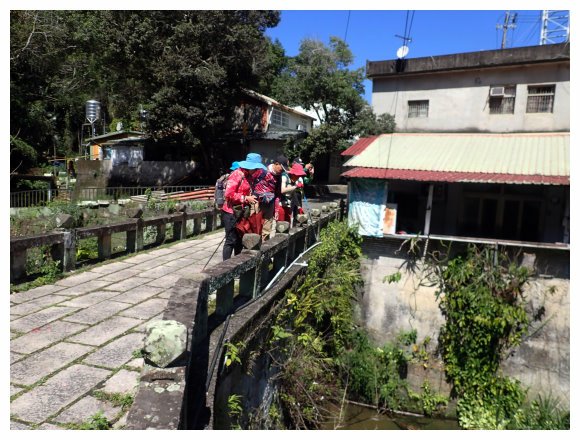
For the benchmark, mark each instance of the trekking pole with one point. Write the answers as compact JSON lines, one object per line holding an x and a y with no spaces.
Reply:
{"x":218,"y":246}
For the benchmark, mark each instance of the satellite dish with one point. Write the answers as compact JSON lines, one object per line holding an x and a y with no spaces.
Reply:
{"x":402,"y":51}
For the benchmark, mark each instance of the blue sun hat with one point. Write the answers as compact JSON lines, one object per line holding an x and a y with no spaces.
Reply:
{"x":235,"y":166}
{"x":252,"y":162}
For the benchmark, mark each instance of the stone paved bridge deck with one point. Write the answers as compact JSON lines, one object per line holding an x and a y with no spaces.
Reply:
{"x":75,"y":339}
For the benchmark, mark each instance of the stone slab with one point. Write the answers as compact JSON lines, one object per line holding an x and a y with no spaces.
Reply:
{"x":121,"y":275}
{"x":159,"y":252}
{"x":75,"y":280}
{"x":139,"y":294}
{"x":44,"y":336}
{"x":90,"y":299}
{"x":160,"y":271}
{"x":57,"y":392}
{"x":87,"y":287}
{"x":88,"y":406}
{"x":46,"y":362}
{"x":140,"y":258}
{"x":48,"y":426}
{"x":14,"y":389}
{"x":148,"y":265}
{"x":128,"y":284}
{"x":166,"y":281}
{"x":41,"y":318}
{"x":124,"y":382}
{"x":37,"y":304}
{"x":18,"y":426}
{"x":142,"y":327}
{"x":116,"y":353}
{"x":136,"y":363}
{"x":105,"y":331}
{"x":37,"y":292}
{"x":179,"y":263}
{"x":15,"y":357}
{"x":98,"y":312}
{"x":146,"y":309}
{"x":112,"y":267}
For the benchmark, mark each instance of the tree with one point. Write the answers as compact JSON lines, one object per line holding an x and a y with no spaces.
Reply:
{"x":187,"y":68}
{"x":319,"y":79}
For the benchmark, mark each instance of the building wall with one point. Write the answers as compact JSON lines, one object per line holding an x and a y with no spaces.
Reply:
{"x":459,"y":101}
{"x":542,"y":362}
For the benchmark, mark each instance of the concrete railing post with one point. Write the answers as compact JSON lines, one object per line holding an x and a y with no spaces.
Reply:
{"x":180,"y":228}
{"x":196,"y":226}
{"x":161,"y":233}
{"x":225,"y":300}
{"x":70,"y":251}
{"x":17,"y":264}
{"x":105,"y":245}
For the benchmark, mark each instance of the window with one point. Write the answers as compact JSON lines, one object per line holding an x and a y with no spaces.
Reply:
{"x":502,"y":100}
{"x":541,"y":99}
{"x":279,"y":118}
{"x":418,"y":109}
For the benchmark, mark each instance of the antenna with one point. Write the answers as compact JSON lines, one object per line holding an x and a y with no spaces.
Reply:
{"x":555,"y":27}
{"x":507,"y":25}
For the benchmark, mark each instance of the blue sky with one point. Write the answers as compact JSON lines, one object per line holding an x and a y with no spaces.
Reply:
{"x":371,"y":33}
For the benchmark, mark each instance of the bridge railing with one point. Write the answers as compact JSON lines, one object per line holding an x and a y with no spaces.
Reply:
{"x":173,"y":396}
{"x":63,"y":243}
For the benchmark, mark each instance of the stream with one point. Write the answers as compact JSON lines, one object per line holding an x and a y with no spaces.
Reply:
{"x":364,"y":418}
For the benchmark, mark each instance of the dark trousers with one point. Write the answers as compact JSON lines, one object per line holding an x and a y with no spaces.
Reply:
{"x":233,"y":241}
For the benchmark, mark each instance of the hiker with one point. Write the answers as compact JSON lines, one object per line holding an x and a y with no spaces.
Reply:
{"x":238,"y":196}
{"x":265,"y":190}
{"x":278,"y":170}
{"x":296,"y":173}
{"x":288,"y":188}
{"x":220,"y":186}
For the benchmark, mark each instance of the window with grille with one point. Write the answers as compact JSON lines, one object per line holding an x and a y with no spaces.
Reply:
{"x":541,"y":99}
{"x":418,"y":109}
{"x":502,"y":100}
{"x":279,"y":118}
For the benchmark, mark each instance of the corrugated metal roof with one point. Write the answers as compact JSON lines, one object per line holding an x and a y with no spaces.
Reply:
{"x":439,"y":176}
{"x":526,"y":154}
{"x":358,"y":146}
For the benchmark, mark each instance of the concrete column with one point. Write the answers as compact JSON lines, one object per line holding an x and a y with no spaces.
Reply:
{"x":139,"y":236}
{"x":209,"y":222}
{"x":196,"y":226}
{"x":70,"y":251}
{"x":17,"y":264}
{"x":131,"y":241}
{"x":105,"y":246}
{"x":225,"y":300}
{"x":248,"y":283}
{"x":179,"y":229}
{"x":161,"y":232}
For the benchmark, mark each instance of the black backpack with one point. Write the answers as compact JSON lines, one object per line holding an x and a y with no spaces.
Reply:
{"x":220,"y":190}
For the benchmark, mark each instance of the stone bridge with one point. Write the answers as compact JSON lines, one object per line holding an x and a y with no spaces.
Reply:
{"x":75,"y":344}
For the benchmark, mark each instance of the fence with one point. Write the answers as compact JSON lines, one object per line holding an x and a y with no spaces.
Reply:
{"x":39,"y":197}
{"x":181,"y":396}
{"x":63,"y":243}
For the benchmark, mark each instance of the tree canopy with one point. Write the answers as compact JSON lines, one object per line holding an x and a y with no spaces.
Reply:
{"x":187,"y":68}
{"x":319,"y":79}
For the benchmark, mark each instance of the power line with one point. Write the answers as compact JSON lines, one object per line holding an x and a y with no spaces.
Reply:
{"x":347,"y":22}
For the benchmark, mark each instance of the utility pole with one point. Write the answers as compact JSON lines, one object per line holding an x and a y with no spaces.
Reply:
{"x":507,"y":25}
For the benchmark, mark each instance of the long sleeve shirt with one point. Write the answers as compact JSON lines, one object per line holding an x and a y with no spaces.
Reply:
{"x":237,"y":188}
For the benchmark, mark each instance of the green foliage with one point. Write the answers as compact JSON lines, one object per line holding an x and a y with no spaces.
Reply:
{"x":233,"y":353}
{"x":235,"y":409}
{"x":116,"y":399}
{"x":376,"y":375}
{"x":315,"y":324}
{"x":96,"y":422}
{"x":430,"y":401}
{"x":541,"y":413}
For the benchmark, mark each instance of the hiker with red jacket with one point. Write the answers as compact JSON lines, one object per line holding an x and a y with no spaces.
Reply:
{"x":238,"y":195}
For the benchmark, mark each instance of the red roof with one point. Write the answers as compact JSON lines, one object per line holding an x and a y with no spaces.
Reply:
{"x":358,"y":146}
{"x":447,"y":176}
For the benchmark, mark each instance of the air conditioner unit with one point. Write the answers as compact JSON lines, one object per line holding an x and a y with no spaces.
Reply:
{"x":301,"y":127}
{"x":497,"y":91}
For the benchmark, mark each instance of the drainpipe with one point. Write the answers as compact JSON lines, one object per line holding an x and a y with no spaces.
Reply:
{"x":428,"y":210}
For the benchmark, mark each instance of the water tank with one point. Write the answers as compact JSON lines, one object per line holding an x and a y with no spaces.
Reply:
{"x":92,"y":110}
